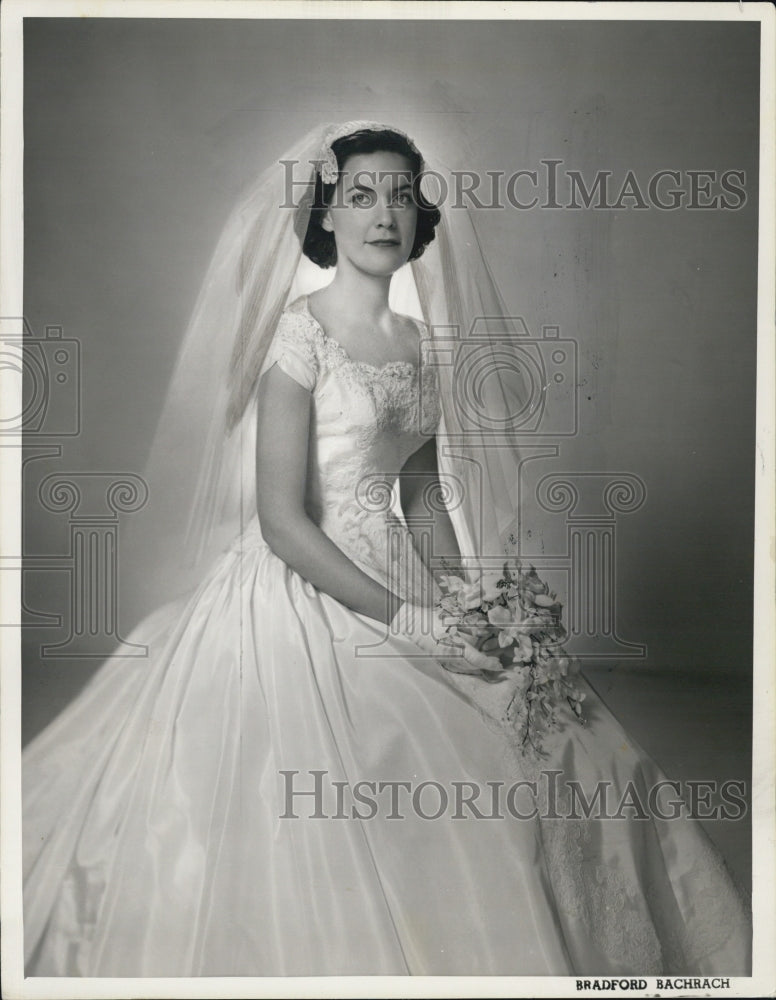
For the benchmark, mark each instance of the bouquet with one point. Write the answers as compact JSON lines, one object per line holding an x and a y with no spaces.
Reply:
{"x":513,"y":616}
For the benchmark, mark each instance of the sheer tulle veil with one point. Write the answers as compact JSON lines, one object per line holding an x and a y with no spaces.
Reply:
{"x":201,"y":474}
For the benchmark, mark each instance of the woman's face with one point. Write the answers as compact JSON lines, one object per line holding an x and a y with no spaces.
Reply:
{"x":373,"y":213}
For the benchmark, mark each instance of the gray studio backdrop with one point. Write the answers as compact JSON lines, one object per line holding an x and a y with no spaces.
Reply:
{"x":140,"y":135}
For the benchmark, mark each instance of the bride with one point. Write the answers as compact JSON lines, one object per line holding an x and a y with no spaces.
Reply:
{"x":313,"y":774}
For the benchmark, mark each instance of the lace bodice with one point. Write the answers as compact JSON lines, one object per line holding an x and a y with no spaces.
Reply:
{"x":366,"y":421}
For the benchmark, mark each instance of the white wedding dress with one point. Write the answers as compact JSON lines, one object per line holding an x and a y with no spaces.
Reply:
{"x":154,"y":836}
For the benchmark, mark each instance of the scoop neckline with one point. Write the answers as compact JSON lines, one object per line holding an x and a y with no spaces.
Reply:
{"x":345,"y":353}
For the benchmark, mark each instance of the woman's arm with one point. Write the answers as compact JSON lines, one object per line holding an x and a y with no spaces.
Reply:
{"x":418,"y":482}
{"x":282,"y":441}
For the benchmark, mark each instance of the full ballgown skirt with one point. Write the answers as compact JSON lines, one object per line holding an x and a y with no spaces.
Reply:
{"x":157,"y":831}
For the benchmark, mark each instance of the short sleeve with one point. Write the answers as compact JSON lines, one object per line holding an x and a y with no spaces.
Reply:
{"x":293,"y":349}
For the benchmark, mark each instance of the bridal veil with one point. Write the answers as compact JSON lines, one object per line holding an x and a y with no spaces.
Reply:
{"x":201,"y":474}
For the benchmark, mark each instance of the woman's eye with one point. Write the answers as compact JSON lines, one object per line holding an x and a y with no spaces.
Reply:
{"x":404,"y":198}
{"x":362,"y":198}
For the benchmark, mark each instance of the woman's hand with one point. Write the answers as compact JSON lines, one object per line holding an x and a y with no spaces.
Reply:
{"x":458,"y":653}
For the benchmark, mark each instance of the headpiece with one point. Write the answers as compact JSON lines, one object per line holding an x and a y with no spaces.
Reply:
{"x":328,"y":167}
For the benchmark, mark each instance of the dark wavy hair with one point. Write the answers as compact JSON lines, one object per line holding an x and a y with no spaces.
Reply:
{"x":318,"y":244}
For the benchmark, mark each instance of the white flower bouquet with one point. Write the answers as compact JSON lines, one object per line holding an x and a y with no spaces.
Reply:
{"x":513,"y":615}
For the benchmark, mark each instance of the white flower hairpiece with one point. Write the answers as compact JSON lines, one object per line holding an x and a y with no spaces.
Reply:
{"x":327,"y":161}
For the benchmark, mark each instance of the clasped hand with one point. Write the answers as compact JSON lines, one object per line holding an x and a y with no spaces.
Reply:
{"x":457,"y":652}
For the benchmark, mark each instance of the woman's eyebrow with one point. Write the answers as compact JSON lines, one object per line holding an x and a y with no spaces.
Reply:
{"x":358,"y":187}
{"x":387,"y":173}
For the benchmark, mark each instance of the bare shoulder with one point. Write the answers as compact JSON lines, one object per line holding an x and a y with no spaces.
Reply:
{"x":297,"y":307}
{"x":412,"y":323}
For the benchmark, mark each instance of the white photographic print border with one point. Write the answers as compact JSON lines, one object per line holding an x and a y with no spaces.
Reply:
{"x":763,"y":979}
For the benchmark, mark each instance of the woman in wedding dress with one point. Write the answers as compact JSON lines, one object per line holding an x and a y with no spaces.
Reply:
{"x":169,"y":826}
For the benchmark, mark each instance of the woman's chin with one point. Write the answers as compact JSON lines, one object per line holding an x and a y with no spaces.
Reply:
{"x":383,"y":269}
{"x":379,"y":262}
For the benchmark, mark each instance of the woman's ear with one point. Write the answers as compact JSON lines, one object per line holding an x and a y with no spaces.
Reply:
{"x":326,"y":223}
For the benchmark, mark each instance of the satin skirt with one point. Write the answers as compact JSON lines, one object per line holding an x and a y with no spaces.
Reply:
{"x":169,"y":831}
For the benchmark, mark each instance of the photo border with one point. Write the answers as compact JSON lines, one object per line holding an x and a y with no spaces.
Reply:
{"x":763,"y":979}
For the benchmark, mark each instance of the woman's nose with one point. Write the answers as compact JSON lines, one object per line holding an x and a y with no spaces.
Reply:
{"x":385,"y":216}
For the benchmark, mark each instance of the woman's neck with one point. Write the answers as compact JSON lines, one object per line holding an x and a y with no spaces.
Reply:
{"x":363,"y":296}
